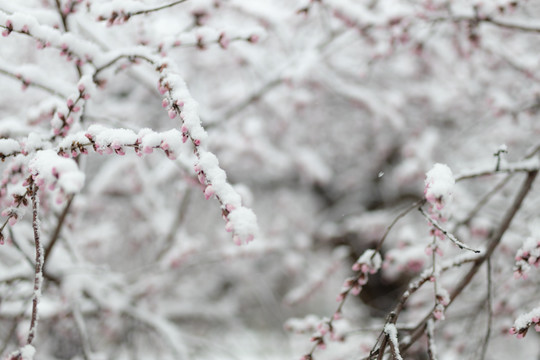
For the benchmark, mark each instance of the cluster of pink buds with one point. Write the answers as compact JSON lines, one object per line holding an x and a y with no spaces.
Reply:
{"x":8,"y":28}
{"x":109,"y":148}
{"x":524,"y":322}
{"x":117,"y":17}
{"x":528,"y":255}
{"x":438,"y":189}
{"x":368,"y":263}
{"x":70,"y":6}
{"x":442,"y":299}
{"x":65,"y":51}
{"x":224,"y":40}
{"x":163,"y":87}
{"x":12,"y":175}
{"x":434,"y":247}
{"x":25,"y":82}
{"x":62,"y":123}
{"x":13,"y":214}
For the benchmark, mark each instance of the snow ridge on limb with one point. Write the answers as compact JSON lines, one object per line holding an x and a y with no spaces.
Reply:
{"x":241,"y":221}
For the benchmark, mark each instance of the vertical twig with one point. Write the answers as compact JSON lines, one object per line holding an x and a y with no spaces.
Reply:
{"x":38,"y":279}
{"x":489,"y":300}
{"x":432,"y":348}
{"x":83,"y":333}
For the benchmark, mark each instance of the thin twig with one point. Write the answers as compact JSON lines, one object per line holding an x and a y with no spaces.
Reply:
{"x":83,"y":333}
{"x":394,"y":222}
{"x":120,"y":57}
{"x":38,"y":280}
{"x":59,"y":225}
{"x":446,"y":233}
{"x":489,"y":300}
{"x":483,"y":201}
{"x":62,"y":16}
{"x":432,"y":348}
{"x":157,"y":9}
{"x":180,"y":215}
{"x":32,"y":84}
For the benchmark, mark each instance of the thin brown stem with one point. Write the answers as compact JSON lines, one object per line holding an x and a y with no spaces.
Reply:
{"x":140,"y":12}
{"x":394,"y":222}
{"x":59,"y":225}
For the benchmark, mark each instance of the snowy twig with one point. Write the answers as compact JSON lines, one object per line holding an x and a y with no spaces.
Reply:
{"x":38,"y":281}
{"x":446,"y":233}
{"x":391,"y":333}
{"x":489,"y":305}
{"x":30,"y":83}
{"x":490,"y":20}
{"x":432,"y":348}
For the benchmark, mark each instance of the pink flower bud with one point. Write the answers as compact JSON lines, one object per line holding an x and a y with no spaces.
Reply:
{"x":229,"y":227}
{"x":172,"y":114}
{"x":512,"y":331}
{"x":70,"y":102}
{"x":165,"y":103}
{"x":253,"y":38}
{"x":202,"y":178}
{"x":148,"y":150}
{"x":438,"y":314}
{"x":81,"y":87}
{"x":249,"y":238}
{"x":197,"y":142}
{"x":209,"y":192}
{"x":236,"y":240}
{"x":224,"y":41}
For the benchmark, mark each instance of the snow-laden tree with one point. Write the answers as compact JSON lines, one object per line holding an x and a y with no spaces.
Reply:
{"x":202,"y":179}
